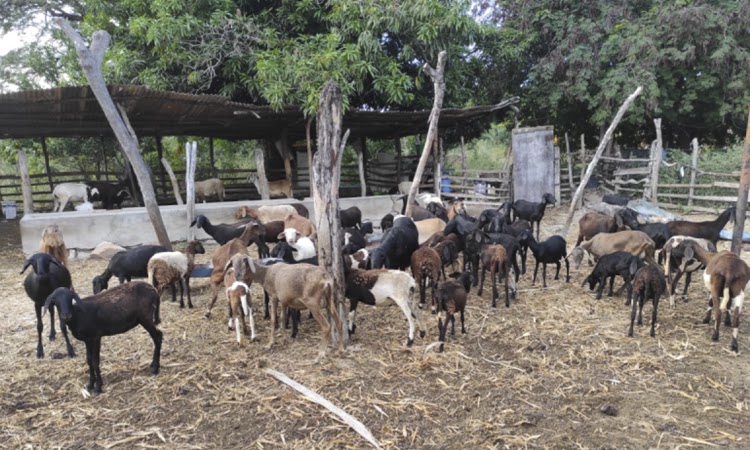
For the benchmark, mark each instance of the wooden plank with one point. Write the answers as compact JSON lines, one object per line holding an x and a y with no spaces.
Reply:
{"x":693,"y":208}
{"x":711,"y":198}
{"x":632,"y":171}
{"x":625,"y":160}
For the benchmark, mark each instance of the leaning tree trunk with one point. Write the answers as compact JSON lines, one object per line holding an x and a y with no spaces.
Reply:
{"x":439,"y":83}
{"x":739,"y":223}
{"x":91,"y":59}
{"x":326,"y":175}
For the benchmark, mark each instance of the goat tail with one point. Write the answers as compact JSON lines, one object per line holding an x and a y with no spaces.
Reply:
{"x":151,"y":277}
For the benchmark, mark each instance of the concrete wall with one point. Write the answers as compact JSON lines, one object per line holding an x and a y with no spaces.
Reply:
{"x":131,"y":226}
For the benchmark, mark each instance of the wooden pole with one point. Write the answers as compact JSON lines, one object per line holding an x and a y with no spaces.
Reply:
{"x":23,"y":170}
{"x":46,"y":163}
{"x":260,"y":166}
{"x":104,"y":157}
{"x":437,"y":170}
{"x":693,"y":170}
{"x":438,"y":82}
{"x":162,"y":174}
{"x":359,"y":148}
{"x":191,"y":155}
{"x":739,"y":223}
{"x":325,"y":192}
{"x":308,"y":140}
{"x":570,"y":165}
{"x":91,"y":59}
{"x":463,"y":156}
{"x":583,"y":169}
{"x":597,"y":155}
{"x":656,"y":161}
{"x":398,"y":161}
{"x":175,"y":186}
{"x":211,"y":156}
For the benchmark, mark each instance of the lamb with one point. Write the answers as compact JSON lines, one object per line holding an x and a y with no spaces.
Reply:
{"x":265,"y":214}
{"x":166,"y":268}
{"x":708,"y":230}
{"x":609,"y":266}
{"x":426,"y":264}
{"x":288,"y":254}
{"x":550,"y":251}
{"x":223,"y":254}
{"x":53,"y":244}
{"x":299,"y":286}
{"x":71,"y":192}
{"x":533,"y":212}
{"x":304,"y":247}
{"x":111,"y":195}
{"x":635,"y":242}
{"x":350,"y":217}
{"x":397,"y":246}
{"x":648,"y":283}
{"x":209,"y":188}
{"x":47,"y":275}
{"x":223,"y":233}
{"x":672,"y":255}
{"x":495,"y":259}
{"x":108,"y":313}
{"x":451,"y":298}
{"x":726,"y":277}
{"x":238,"y":293}
{"x":279,"y":188}
{"x":381,"y":286}
{"x":132,"y":263}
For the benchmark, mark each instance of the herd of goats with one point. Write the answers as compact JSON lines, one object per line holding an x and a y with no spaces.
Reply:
{"x":431,"y":239}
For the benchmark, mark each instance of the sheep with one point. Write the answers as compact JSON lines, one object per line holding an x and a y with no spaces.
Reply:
{"x":648,"y":283}
{"x":223,"y":254}
{"x":609,"y":266}
{"x":126,"y":265}
{"x":426,"y":228}
{"x":71,"y":192}
{"x":304,"y":247}
{"x":550,"y":251}
{"x":299,"y":286}
{"x":53,"y":244}
{"x":593,"y":223}
{"x":265,"y":214}
{"x":708,"y":230}
{"x":47,"y":275}
{"x":350,"y":217}
{"x":533,"y":212}
{"x":397,"y":246}
{"x":278,"y":188}
{"x":426,"y":264}
{"x":726,"y":277}
{"x":658,"y":232}
{"x":290,"y":255}
{"x":635,"y":242}
{"x":166,"y":268}
{"x":209,"y":188}
{"x":238,"y":293}
{"x":304,"y":226}
{"x":223,"y":233}
{"x":378,"y":287}
{"x":356,"y":238}
{"x":451,"y":298}
{"x":111,"y":195}
{"x":495,"y":258}
{"x":108,"y":313}
{"x":673,"y":257}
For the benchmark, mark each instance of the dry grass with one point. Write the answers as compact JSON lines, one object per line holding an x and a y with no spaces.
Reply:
{"x":554,"y":370}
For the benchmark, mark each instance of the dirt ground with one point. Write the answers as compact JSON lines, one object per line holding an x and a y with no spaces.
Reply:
{"x":555,"y":370}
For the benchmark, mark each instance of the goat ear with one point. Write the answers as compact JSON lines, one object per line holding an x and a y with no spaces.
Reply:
{"x":281,"y":236}
{"x":618,"y":220}
{"x":26,"y":265}
{"x":633,"y":266}
{"x":689,"y":253}
{"x":586,"y":280}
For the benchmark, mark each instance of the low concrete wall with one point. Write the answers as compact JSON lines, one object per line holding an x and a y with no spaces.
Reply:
{"x":131,"y":226}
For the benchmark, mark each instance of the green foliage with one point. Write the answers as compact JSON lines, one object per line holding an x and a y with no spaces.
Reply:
{"x":488,"y":152}
{"x":711,"y":159}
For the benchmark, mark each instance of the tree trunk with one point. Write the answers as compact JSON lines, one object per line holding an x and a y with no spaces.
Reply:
{"x":439,"y":85}
{"x":437,"y":167}
{"x":693,"y":170}
{"x":91,"y":59}
{"x":175,"y":186}
{"x":398,"y":161}
{"x":162,"y":174}
{"x":46,"y":164}
{"x":191,"y":155}
{"x":463,"y":156}
{"x":260,"y":165}
{"x":656,"y":164}
{"x":211,"y":156}
{"x":308,"y":140}
{"x":599,"y":150}
{"x":739,"y":224}
{"x":359,"y":148}
{"x":326,"y":176}
{"x":23,"y":169}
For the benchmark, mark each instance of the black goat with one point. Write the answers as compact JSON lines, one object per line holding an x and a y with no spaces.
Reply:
{"x":386,"y":222}
{"x":486,"y":219}
{"x":648,"y":283}
{"x":108,"y":313}
{"x":550,"y":251}
{"x":515,"y":229}
{"x":438,"y":210}
{"x":127,"y":265}
{"x":610,"y":266}
{"x":47,"y":275}
{"x":111,"y":195}
{"x":658,"y":232}
{"x":356,"y":238}
{"x":397,"y":246}
{"x":708,"y":230}
{"x":223,"y":233}
{"x":531,"y":211}
{"x":350,"y":217}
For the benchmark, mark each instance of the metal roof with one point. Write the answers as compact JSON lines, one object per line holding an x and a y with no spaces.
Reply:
{"x":75,"y":112}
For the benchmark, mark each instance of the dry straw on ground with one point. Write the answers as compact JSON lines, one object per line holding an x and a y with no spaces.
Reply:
{"x":554,"y":370}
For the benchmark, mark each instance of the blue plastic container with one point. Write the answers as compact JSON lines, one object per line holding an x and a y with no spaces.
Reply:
{"x":445,"y":185}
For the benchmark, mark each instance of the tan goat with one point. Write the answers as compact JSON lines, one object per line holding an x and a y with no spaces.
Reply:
{"x":635,"y":242}
{"x":278,"y":188}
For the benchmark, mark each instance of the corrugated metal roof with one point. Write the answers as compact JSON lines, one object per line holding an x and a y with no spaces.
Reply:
{"x":75,"y":112}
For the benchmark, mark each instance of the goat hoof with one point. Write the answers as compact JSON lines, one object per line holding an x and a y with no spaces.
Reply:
{"x":441,"y":348}
{"x":155,"y":370}
{"x":422,"y":333}
{"x":409,"y":342}
{"x":707,"y":320}
{"x":735,"y":347}
{"x":715,"y":337}
{"x":39,"y":354}
{"x":630,"y":333}
{"x":51,"y":337}
{"x":653,"y":334}
{"x":208,"y":314}
{"x":71,"y":353}
{"x":567,"y":279}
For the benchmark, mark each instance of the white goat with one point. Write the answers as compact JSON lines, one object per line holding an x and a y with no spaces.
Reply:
{"x":265,"y":214}
{"x":209,"y":188}
{"x":304,"y":246}
{"x":71,"y":192}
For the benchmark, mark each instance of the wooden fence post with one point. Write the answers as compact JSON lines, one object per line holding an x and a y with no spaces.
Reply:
{"x":739,"y":223}
{"x":46,"y":163}
{"x":175,"y":186}
{"x":191,"y":154}
{"x":693,"y":171}
{"x":23,"y":169}
{"x":656,"y":161}
{"x":583,"y":169}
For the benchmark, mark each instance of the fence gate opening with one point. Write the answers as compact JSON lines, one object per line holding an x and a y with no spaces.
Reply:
{"x":534,"y":168}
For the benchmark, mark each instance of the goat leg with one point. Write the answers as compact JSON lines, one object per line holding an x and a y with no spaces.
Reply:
{"x":544,"y":274}
{"x":90,"y":363}
{"x":611,"y":285}
{"x":441,"y":332}
{"x":186,"y":281}
{"x":463,"y":328}
{"x":717,"y":317}
{"x":493,"y":280}
{"x":657,"y":295}
{"x":68,"y":346}
{"x":735,"y":327}
{"x":52,"y":332}
{"x":95,"y":358}
{"x":567,"y":270}
{"x":39,"y":329}
{"x":632,"y":319}
{"x":536,"y":269}
{"x":557,"y":273}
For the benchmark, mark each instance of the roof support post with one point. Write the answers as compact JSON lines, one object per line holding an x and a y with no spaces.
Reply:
{"x":46,"y":163}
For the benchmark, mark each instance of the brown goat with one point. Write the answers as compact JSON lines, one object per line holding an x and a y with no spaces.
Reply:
{"x":451,"y":298}
{"x":593,"y":223}
{"x":704,"y":230}
{"x":426,"y":263}
{"x":238,"y":294}
{"x":223,"y":254}
{"x":495,"y":259}
{"x":53,"y":244}
{"x":304,"y":226}
{"x":726,"y":277}
{"x":648,"y":283}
